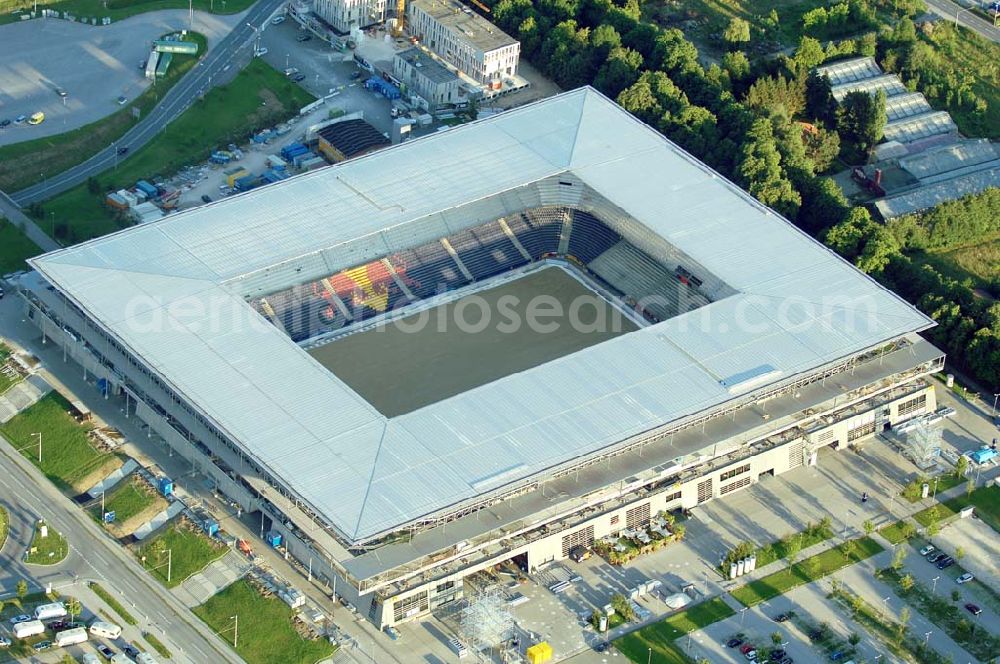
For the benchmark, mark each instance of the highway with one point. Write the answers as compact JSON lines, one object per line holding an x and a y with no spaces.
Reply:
{"x":195,"y":83}
{"x":94,"y":556}
{"x":949,"y":10}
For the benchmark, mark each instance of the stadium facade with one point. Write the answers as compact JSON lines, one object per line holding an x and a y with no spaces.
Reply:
{"x":755,"y":349}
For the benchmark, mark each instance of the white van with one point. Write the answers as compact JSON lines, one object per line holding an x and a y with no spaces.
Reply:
{"x":105,"y":629}
{"x":89,"y":658}
{"x":144,"y":658}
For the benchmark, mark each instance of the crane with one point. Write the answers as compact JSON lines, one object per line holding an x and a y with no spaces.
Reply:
{"x":397,"y":31}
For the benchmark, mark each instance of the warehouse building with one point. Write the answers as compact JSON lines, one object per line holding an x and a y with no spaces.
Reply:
{"x":345,"y":15}
{"x":465,"y":39}
{"x":348,"y":139}
{"x":424,"y":77}
{"x":255,"y":337}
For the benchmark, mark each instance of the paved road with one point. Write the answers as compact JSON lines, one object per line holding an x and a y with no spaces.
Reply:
{"x":10,"y":210}
{"x":95,"y":556}
{"x":216,"y":65}
{"x":967,"y":19}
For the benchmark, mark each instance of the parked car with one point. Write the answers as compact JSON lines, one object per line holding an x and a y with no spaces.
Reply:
{"x":393,"y":633}
{"x":4,"y":642}
{"x":787,"y":660}
{"x":5,"y":122}
{"x":303,"y":38}
{"x":56,"y":625}
{"x":299,"y":77}
{"x":131,"y":650}
{"x":277,"y":20}
{"x":838,"y":655}
{"x":579,"y":553}
{"x":261,"y":51}
{"x":21,"y":119}
{"x":973,"y":609}
{"x":782,"y":617}
{"x":355,"y":76}
{"x":291,"y":71}
{"x":927,"y":549}
{"x":735,"y":642}
{"x":748,"y":651}
{"x":20,"y":619}
{"x":947,"y":411}
{"x":601,"y":647}
{"x":42,"y":645}
{"x":61,"y":92}
{"x":965,"y":578}
{"x":205,"y":198}
{"x":777,"y":655}
{"x":934,"y":557}
{"x":107,"y":652}
{"x":945,"y":562}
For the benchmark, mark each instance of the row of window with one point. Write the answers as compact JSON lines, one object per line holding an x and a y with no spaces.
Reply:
{"x":861,"y":431}
{"x":745,"y":468}
{"x":733,"y":486}
{"x":912,"y":405}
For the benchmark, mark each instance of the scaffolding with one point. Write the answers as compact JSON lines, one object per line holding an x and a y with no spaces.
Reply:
{"x":486,"y":622}
{"x":923,"y":444}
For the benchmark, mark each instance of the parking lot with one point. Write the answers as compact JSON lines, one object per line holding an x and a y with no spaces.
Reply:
{"x":94,"y":64}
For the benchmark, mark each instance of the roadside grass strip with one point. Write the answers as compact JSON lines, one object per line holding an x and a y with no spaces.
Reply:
{"x":661,"y":636}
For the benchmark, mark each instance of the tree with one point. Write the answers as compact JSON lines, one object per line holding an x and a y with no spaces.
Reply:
{"x":737,"y":64}
{"x":970,"y":486}
{"x":854,"y":639}
{"x":737,"y":32}
{"x":822,"y":147}
{"x":862,"y":118}
{"x":73,"y":607}
{"x":908,"y":530}
{"x":955,"y":595}
{"x":93,"y":186}
{"x":22,"y":589}
{"x":898,"y":558}
{"x":792,"y":550}
{"x":868,"y":526}
{"x":904,"y":619}
{"x":619,"y":71}
{"x":623,"y":607}
{"x":959,"y":553}
{"x":848,"y":548}
{"x":777,"y":638}
{"x":777,"y":95}
{"x":961,"y":466}
{"x":808,"y":55}
{"x":906,"y":583}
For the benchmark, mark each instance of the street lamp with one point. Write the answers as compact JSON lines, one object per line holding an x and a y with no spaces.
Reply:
{"x":995,"y":397}
{"x":649,"y":657}
{"x":934,"y":585}
{"x":964,"y":9}
{"x":885,"y":602}
{"x":927,"y":636}
{"x":934,"y":495}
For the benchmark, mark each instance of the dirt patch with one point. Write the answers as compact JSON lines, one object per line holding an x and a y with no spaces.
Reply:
{"x":541,"y":87}
{"x":112,"y":464}
{"x":121,"y":529}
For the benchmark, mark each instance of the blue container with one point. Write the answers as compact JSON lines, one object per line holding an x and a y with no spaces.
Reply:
{"x":292,"y":150}
{"x":273,"y":538}
{"x":210,"y":527}
{"x":147,"y":188}
{"x":166,"y":486}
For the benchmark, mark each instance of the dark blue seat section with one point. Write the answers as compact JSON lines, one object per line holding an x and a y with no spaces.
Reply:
{"x":427,"y":270}
{"x":538,"y":231}
{"x":589,"y":237}
{"x":486,"y":251}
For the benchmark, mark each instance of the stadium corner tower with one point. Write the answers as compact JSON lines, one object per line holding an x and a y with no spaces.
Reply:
{"x":253,"y":336}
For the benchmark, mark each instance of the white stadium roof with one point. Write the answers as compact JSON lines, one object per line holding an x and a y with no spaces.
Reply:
{"x":797,"y":307}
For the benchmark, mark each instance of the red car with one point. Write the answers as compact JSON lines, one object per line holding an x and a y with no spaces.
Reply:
{"x":973,"y":609}
{"x":748,"y":650}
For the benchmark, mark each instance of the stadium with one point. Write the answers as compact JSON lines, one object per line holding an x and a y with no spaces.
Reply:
{"x":295,"y":342}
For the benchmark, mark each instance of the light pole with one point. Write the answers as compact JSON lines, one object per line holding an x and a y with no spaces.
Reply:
{"x":236,"y":629}
{"x":995,"y":397}
{"x":934,"y":495}
{"x":649,"y":657}
{"x":927,"y":637}
{"x":885,"y":603}
{"x":934,"y":585}
{"x":965,"y":9}
{"x":286,"y":60}
{"x":743,"y":613}
{"x":39,"y":434}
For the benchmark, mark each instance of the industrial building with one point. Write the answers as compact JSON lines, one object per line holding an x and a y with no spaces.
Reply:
{"x":478,"y":48}
{"x":749,"y":349}
{"x":345,"y":15}
{"x":344,"y":140}
{"x":432,"y":83}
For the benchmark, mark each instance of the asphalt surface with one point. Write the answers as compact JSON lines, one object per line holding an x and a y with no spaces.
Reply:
{"x":30,"y":495}
{"x":967,"y":19}
{"x":215,"y":68}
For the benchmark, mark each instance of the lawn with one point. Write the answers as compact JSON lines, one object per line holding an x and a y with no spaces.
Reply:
{"x":15,"y":246}
{"x":897,"y":532}
{"x":986,"y":500}
{"x":258,"y":97}
{"x":810,"y":569}
{"x":49,"y":550}
{"x":119,"y":9}
{"x":813,"y":533}
{"x":979,"y":262}
{"x":157,"y":645}
{"x":266,"y":633}
{"x":190,"y":550}
{"x":661,"y":636}
{"x":4,"y":525}
{"x":945,"y":481}
{"x":127,"y":502}
{"x":68,"y":458}
{"x":21,"y":163}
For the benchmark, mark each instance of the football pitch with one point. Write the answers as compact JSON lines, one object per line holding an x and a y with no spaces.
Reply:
{"x":456,"y":346}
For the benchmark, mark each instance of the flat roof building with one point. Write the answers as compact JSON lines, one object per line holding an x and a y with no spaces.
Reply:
{"x":345,"y":15}
{"x":428,"y":79}
{"x":478,"y":48}
{"x":746,"y":346}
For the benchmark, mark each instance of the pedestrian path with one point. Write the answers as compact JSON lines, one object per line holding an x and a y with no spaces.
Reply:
{"x":199,"y":587}
{"x":116,"y":476}
{"x":22,"y":395}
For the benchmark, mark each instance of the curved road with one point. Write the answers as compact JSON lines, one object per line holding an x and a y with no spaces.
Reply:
{"x":196,"y":82}
{"x":101,"y":558}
